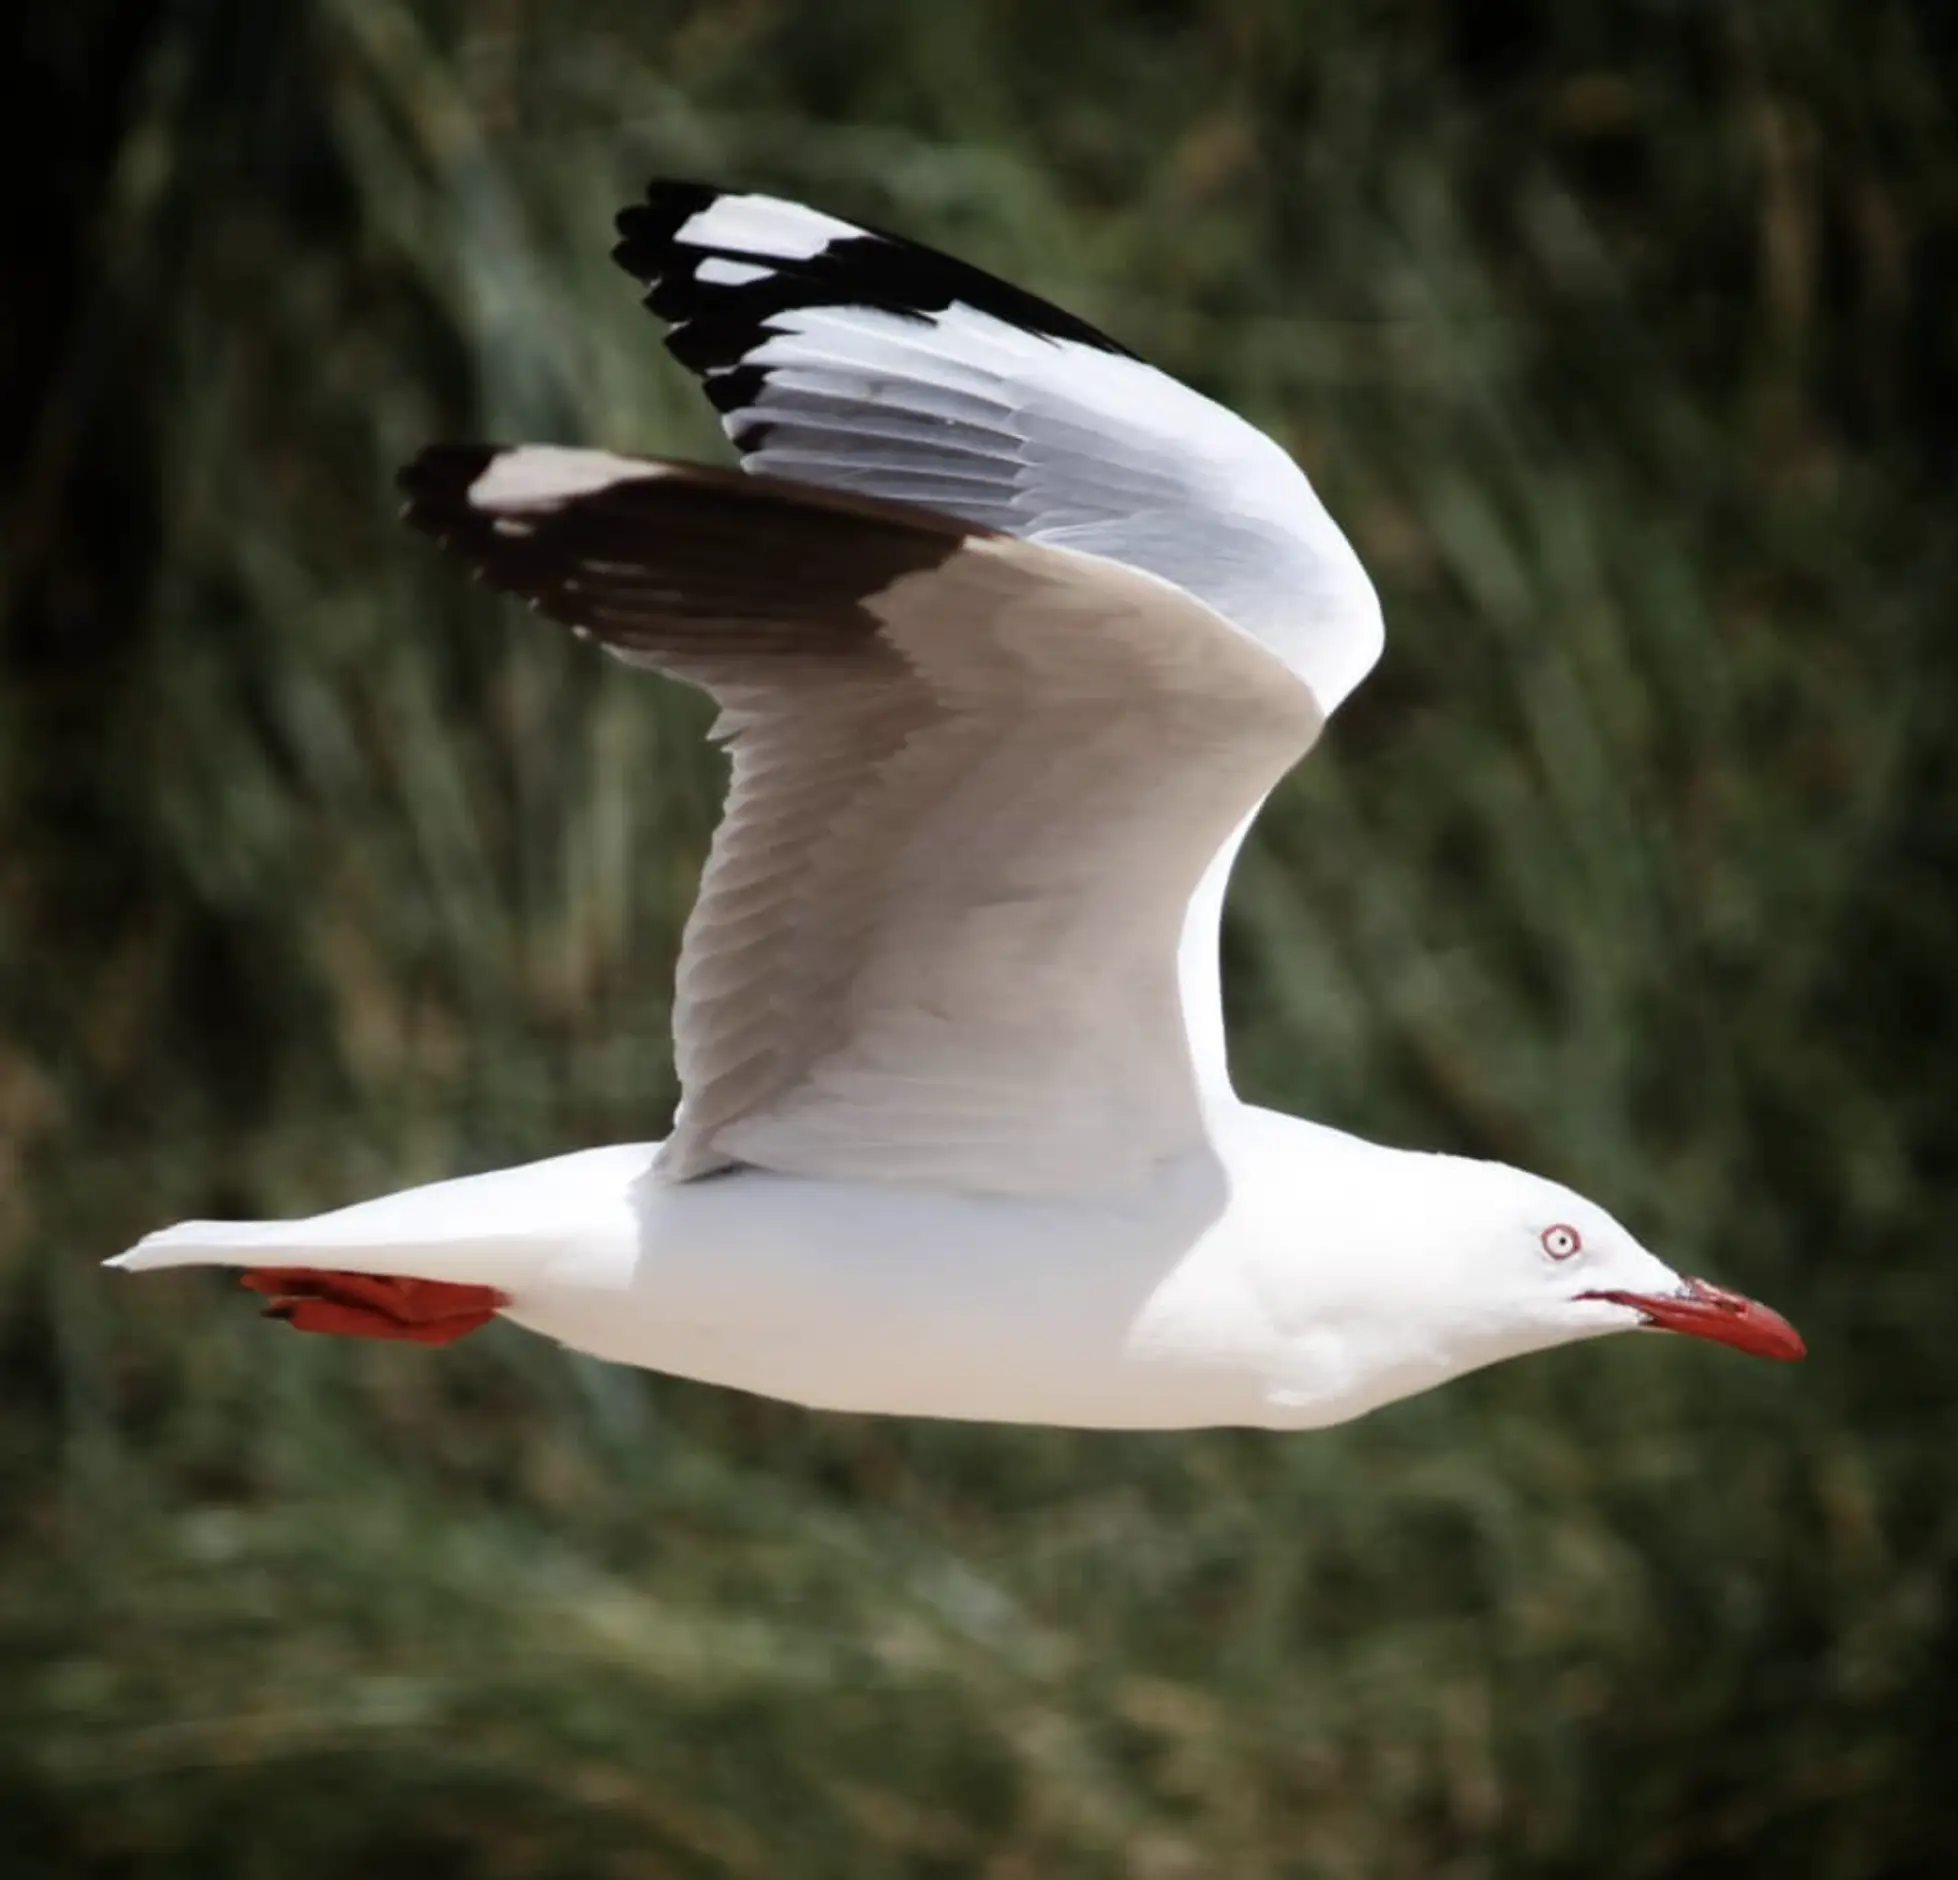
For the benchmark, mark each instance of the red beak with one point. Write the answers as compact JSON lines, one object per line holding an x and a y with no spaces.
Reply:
{"x":1703,"y":1311}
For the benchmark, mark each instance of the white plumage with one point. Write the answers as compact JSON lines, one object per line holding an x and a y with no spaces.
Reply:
{"x":1011,"y":634}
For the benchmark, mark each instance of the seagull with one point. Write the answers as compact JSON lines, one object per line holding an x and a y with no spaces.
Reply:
{"x":1011,"y":635}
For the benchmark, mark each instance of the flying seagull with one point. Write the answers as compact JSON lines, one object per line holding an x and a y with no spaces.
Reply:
{"x":1011,"y":635}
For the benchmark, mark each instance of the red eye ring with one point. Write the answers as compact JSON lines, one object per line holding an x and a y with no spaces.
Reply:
{"x":1560,"y":1240}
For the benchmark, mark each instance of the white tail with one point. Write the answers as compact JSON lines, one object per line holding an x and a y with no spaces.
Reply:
{"x":491,"y":1230}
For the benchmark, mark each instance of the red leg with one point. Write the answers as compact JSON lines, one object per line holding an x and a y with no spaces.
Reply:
{"x":375,"y":1305}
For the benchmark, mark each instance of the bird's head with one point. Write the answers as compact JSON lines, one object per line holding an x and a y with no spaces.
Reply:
{"x":1553,"y":1261}
{"x":1428,"y":1266}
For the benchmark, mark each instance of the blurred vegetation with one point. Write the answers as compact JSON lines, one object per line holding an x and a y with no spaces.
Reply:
{"x":1620,"y":339}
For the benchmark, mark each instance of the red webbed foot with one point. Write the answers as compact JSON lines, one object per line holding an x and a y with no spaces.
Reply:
{"x":375,"y":1305}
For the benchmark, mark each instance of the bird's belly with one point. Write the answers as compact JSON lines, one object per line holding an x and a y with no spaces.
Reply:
{"x":849,"y":1297}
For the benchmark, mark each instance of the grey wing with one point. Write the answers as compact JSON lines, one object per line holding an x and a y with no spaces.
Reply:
{"x":976,"y":782}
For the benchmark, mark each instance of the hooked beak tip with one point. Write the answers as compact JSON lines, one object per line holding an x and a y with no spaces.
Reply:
{"x":1702,"y":1310}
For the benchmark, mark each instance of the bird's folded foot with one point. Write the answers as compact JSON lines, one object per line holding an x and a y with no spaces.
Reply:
{"x":375,"y":1305}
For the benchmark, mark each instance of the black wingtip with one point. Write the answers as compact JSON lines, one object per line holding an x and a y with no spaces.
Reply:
{"x":718,"y":320}
{"x":437,"y":481}
{"x":646,"y":229}
{"x":439,"y":468}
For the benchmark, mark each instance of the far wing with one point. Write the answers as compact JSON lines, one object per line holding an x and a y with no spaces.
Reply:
{"x":860,"y":361}
{"x":976,"y":782}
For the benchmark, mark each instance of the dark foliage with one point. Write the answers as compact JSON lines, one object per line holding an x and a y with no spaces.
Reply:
{"x":1618,"y":336}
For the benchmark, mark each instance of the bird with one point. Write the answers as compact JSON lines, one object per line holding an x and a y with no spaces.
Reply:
{"x":1010,"y":635}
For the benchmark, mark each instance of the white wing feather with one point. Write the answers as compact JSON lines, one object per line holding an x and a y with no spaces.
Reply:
{"x":860,"y":361}
{"x":939,"y":938}
{"x":1011,"y":637}
{"x":976,"y":784}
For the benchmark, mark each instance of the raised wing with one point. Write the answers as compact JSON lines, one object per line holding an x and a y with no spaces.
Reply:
{"x":976,"y":782}
{"x":860,"y":361}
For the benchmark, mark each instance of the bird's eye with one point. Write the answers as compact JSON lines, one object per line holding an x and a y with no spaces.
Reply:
{"x":1560,"y":1242}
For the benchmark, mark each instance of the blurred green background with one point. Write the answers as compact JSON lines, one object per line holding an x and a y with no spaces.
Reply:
{"x":1618,"y":336}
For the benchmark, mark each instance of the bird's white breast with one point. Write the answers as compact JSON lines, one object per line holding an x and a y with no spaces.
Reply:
{"x":1129,"y":1312}
{"x":1210,"y":1297}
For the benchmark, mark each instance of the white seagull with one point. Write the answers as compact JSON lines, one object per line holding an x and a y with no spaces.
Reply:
{"x":1011,"y":635}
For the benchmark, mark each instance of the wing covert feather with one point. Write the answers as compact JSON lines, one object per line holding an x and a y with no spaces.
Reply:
{"x":975,"y":784}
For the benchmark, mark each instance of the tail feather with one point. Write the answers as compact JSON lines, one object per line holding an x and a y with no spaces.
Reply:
{"x":482,"y":1261}
{"x":485,"y":1230}
{"x":206,"y":1243}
